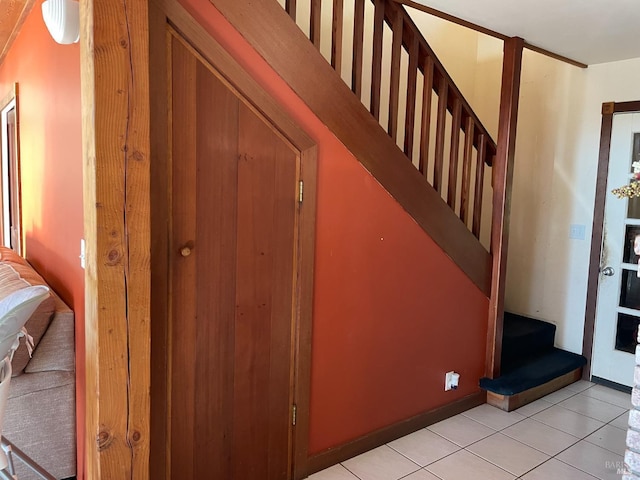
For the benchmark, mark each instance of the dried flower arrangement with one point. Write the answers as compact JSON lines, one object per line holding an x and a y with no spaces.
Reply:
{"x":633,"y":188}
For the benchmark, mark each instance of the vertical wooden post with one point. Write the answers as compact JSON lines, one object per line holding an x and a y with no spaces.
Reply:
{"x":115,"y":130}
{"x":503,"y":181}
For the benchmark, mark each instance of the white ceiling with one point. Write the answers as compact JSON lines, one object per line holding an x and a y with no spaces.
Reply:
{"x":589,"y":31}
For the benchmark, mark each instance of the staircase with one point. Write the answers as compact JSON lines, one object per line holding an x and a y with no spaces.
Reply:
{"x":397,"y":110}
{"x":437,"y":157}
{"x":531,"y":366}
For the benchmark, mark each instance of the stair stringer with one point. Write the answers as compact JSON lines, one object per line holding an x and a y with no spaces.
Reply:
{"x":272,"y":33}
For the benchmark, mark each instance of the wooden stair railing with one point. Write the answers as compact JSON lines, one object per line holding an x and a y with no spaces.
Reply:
{"x":448,"y":151}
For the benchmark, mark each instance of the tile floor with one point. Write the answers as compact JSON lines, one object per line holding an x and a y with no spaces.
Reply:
{"x":577,"y":433}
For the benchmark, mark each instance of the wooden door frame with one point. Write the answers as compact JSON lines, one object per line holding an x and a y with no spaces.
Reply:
{"x":170,"y":12}
{"x":13,"y":184}
{"x":609,"y":109}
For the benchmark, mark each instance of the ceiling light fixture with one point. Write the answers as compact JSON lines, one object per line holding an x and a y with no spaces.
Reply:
{"x":62,"y":18}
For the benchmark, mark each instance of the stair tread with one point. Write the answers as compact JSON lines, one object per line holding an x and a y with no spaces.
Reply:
{"x":538,"y":370}
{"x":516,"y":325}
{"x":524,"y":337}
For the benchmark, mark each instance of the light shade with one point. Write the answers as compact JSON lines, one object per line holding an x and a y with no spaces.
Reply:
{"x":62,"y":18}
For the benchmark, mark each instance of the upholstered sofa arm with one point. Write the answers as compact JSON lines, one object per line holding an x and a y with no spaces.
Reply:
{"x":15,"y":274}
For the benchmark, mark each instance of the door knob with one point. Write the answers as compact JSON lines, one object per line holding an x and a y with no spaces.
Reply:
{"x":608,"y":271}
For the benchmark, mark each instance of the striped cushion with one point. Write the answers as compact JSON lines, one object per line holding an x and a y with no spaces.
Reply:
{"x":15,"y":274}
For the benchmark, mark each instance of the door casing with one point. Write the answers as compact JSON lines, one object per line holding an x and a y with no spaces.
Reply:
{"x":609,"y":109}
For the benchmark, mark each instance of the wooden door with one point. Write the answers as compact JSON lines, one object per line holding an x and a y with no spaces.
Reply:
{"x":233,"y":272}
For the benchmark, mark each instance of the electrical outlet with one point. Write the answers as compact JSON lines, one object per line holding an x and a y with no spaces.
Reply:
{"x":451,"y":380}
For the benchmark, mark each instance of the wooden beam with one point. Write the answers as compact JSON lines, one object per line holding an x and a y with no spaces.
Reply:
{"x":503,"y":182}
{"x":487,"y":31}
{"x":451,"y":18}
{"x":556,"y":56}
{"x":115,"y":130}
{"x":14,"y":13}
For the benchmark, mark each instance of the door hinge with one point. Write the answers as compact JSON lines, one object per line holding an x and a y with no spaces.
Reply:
{"x":300,"y":191}
{"x":294,"y":414}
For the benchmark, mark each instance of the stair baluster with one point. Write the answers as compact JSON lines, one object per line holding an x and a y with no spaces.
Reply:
{"x":406,"y":57}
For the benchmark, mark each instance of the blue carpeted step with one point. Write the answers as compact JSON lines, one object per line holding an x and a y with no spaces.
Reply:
{"x":536,"y":371}
{"x":523,"y":337}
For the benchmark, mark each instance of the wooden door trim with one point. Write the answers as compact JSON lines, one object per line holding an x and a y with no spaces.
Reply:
{"x":609,"y":109}
{"x":15,"y":183}
{"x":165,"y":13}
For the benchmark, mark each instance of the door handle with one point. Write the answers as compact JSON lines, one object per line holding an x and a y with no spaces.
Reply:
{"x":608,"y":271}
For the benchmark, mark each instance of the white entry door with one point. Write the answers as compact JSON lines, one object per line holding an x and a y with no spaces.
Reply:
{"x":618,"y":309}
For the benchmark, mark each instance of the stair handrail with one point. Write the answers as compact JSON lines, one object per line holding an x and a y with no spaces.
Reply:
{"x":407,"y":36}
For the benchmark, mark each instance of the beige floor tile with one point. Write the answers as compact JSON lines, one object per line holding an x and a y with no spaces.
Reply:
{"x":580,"y":386}
{"x":461,"y":430}
{"x":337,"y":472}
{"x":534,"y":407}
{"x":560,"y":395}
{"x":622,"y":421}
{"x":424,"y":447}
{"x":609,"y":437}
{"x":382,"y":463}
{"x":610,"y":395}
{"x":493,"y":417}
{"x":421,"y":475}
{"x":465,"y":465}
{"x":595,"y":460}
{"x":568,"y":421}
{"x":508,"y":454}
{"x":592,"y":407}
{"x":555,"y":470}
{"x":540,"y":436}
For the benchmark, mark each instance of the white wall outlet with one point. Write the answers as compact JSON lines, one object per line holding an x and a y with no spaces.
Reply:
{"x":451,"y":380}
{"x":82,"y":251}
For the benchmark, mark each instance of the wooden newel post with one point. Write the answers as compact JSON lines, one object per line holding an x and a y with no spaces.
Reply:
{"x":115,"y":129}
{"x":502,"y":184}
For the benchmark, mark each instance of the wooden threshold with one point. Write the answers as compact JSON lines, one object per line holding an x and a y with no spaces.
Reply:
{"x":511,"y":402}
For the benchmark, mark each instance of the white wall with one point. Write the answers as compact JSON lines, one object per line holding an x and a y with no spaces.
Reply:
{"x":556,"y":158}
{"x":556,"y":162}
{"x":554,"y":186}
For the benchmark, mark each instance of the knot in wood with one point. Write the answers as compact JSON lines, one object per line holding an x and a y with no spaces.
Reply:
{"x":103,"y":439}
{"x":136,"y":436}
{"x":124,"y":43}
{"x":113,"y":256}
{"x":137,"y":155}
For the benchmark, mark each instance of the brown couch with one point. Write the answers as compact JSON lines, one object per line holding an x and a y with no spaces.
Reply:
{"x":40,"y":417}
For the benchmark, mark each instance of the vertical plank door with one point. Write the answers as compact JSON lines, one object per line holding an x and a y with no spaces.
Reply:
{"x":234,"y":235}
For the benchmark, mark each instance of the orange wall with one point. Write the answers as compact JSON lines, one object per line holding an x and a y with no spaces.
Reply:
{"x":51,"y":158}
{"x":392,"y":313}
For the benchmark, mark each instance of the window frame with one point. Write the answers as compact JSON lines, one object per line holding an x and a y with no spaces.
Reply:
{"x":10,"y":185}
